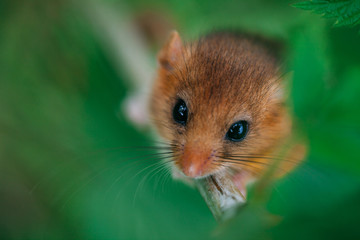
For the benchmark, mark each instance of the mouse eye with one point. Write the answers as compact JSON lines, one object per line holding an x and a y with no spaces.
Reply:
{"x":180,"y":112}
{"x":237,"y":132}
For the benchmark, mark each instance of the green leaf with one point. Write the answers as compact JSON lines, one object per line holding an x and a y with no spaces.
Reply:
{"x":345,"y":12}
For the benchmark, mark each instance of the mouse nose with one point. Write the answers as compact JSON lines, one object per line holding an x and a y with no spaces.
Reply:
{"x":196,"y":162}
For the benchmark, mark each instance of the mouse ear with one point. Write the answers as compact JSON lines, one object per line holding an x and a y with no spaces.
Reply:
{"x":278,"y":91}
{"x":171,"y":52}
{"x":282,"y":88}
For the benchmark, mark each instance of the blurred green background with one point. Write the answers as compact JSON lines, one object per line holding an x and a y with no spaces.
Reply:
{"x":65,"y":175}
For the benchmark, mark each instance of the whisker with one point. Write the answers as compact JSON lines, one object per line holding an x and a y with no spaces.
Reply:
{"x":154,"y":156}
{"x":243,"y":161}
{"x":235,"y":160}
{"x":156,"y":174}
{"x":246,"y":159}
{"x":259,"y":157}
{"x":141,"y":183}
{"x":239,"y":163}
{"x":56,"y":170}
{"x":167,"y":177}
{"x":139,"y":148}
{"x":230,"y":171}
{"x":164,"y":158}
{"x":268,"y":157}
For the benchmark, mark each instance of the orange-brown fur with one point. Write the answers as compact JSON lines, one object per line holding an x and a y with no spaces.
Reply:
{"x":223,"y":78}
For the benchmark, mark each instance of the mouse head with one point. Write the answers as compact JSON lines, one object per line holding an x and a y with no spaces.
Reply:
{"x":219,"y":102}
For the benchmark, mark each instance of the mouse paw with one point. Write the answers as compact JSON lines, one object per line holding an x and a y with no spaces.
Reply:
{"x":135,"y":109}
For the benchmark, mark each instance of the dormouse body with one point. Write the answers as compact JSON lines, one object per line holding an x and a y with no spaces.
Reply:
{"x":219,"y":102}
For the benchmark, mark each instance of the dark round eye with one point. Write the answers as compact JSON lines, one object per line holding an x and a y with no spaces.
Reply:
{"x":180,"y":112}
{"x":237,"y":132}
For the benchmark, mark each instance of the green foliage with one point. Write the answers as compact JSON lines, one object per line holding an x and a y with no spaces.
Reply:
{"x":64,"y":175}
{"x":346,"y":12}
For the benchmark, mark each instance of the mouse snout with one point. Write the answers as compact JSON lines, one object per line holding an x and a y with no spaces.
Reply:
{"x":196,"y":161}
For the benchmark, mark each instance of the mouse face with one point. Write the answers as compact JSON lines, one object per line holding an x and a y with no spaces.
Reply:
{"x":219,"y":103}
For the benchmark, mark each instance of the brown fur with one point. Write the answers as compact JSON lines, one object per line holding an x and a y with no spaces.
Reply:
{"x":223,"y":78}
